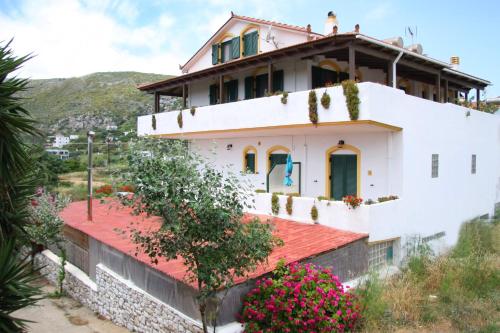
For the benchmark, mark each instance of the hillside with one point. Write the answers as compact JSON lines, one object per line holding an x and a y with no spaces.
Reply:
{"x":91,"y":101}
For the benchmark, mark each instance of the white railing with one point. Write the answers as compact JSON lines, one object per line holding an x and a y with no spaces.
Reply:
{"x":378,"y":220}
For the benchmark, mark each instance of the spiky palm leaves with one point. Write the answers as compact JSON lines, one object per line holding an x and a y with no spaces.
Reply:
{"x":16,"y":186}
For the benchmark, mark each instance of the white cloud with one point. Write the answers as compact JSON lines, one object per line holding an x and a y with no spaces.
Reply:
{"x":72,"y":39}
{"x":379,"y":12}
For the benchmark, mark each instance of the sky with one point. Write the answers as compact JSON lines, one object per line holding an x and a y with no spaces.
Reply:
{"x":79,"y":37}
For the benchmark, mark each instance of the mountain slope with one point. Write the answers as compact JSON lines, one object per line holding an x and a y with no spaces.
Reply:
{"x":91,"y":101}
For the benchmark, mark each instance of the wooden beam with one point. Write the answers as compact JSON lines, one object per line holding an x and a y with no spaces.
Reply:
{"x":389,"y":73}
{"x":446,"y":91}
{"x":221,"y":89}
{"x":478,"y":99}
{"x":184,"y":96}
{"x":157,"y":102}
{"x":352,"y":63}
{"x":270,"y":78}
{"x":438,"y":87}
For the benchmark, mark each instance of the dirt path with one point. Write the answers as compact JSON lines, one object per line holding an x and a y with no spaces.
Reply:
{"x":65,"y":315}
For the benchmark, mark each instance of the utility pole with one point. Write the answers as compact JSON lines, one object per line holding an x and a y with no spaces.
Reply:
{"x":90,"y":141}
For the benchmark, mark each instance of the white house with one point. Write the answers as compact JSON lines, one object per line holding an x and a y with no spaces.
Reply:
{"x":60,"y":141}
{"x":410,"y":140}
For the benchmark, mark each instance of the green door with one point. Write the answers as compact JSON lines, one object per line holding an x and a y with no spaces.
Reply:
{"x":250,"y":162}
{"x":275,"y":159}
{"x":343,"y":176}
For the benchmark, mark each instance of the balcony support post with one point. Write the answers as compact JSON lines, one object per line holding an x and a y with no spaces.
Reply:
{"x":478,"y":99}
{"x":184,"y":105}
{"x":352,"y":63}
{"x":446,"y":91}
{"x":270,"y":78}
{"x":221,"y":89}
{"x":438,"y":87}
{"x":157,"y":102}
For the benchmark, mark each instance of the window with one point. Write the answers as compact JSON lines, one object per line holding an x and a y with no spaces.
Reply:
{"x":226,"y":51}
{"x":214,"y":94}
{"x":473,"y":164}
{"x":231,"y":91}
{"x":322,"y":76}
{"x":381,"y":253}
{"x":250,"y":160}
{"x":250,"y":43}
{"x":435,"y":165}
{"x":257,"y":86}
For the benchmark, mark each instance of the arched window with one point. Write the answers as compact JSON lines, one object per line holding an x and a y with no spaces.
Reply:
{"x":250,"y":159}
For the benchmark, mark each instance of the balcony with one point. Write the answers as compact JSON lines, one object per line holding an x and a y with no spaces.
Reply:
{"x":269,"y":116}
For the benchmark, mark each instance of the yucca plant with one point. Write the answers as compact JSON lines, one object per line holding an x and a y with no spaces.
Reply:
{"x":17,"y":183}
{"x":17,"y":287}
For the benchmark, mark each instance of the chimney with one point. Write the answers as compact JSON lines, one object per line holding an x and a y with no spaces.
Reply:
{"x":330,"y":23}
{"x":455,"y":62}
{"x":356,"y":28}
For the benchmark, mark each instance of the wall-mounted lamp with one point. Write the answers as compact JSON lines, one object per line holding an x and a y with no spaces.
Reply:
{"x":229,"y":146}
{"x":341,"y":142}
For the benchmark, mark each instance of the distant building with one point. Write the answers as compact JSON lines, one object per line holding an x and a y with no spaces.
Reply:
{"x":60,"y":141}
{"x":111,"y":128}
{"x":73,"y":137}
{"x":63,"y":154}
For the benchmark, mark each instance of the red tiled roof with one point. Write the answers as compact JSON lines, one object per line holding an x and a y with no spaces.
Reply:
{"x":276,"y":24}
{"x":112,"y":221}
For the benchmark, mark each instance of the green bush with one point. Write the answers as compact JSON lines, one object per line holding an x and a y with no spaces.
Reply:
{"x":260,"y":191}
{"x":322,"y":197}
{"x":284,"y":97}
{"x":314,"y":213}
{"x":179,"y":119}
{"x":325,"y":100}
{"x":153,"y":122}
{"x":313,"y":107}
{"x":289,"y":205}
{"x":351,"y":92}
{"x":193,"y":110}
{"x":275,"y":204}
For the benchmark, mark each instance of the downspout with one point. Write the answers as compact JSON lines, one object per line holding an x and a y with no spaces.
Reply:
{"x":90,"y":141}
{"x":394,"y":74}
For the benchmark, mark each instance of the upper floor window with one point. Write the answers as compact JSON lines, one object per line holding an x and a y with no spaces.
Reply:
{"x":250,"y":43}
{"x":435,"y":165}
{"x":473,"y":164}
{"x":226,"y":50}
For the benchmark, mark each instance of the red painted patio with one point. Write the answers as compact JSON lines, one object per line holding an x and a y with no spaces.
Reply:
{"x":112,"y":223}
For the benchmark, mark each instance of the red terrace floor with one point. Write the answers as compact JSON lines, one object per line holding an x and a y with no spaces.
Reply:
{"x":111,"y":222}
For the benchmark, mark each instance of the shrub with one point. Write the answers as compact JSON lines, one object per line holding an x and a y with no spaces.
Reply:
{"x":325,"y":100}
{"x":104,"y":189}
{"x":126,"y":188}
{"x":387,"y":198}
{"x":294,"y":194}
{"x":275,"y":203}
{"x":313,"y":107}
{"x":260,"y":191}
{"x":369,"y":202}
{"x":153,"y":122}
{"x":179,"y":119}
{"x":284,"y":97}
{"x":322,"y":197}
{"x":299,"y":298}
{"x":193,"y":110}
{"x":314,"y":213}
{"x":289,"y":204}
{"x":352,"y":201}
{"x":351,"y":97}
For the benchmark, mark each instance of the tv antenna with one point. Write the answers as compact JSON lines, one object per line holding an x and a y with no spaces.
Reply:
{"x":270,"y":37}
{"x":412,"y":32}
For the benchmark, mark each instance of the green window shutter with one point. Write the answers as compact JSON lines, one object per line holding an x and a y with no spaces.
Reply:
{"x":213,"y":94}
{"x":231,"y":91}
{"x":215,"y":54}
{"x":276,"y":159}
{"x":260,"y":85}
{"x":343,"y":175}
{"x":250,"y":163}
{"x":235,"y":48}
{"x":251,"y":43}
{"x":249,"y":87}
{"x":278,"y":81}
{"x":351,"y":175}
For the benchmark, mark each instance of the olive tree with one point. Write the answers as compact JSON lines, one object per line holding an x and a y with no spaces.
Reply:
{"x":202,"y":209}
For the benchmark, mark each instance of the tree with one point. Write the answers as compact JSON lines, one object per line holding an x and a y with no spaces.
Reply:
{"x":16,"y":186}
{"x":202,"y":211}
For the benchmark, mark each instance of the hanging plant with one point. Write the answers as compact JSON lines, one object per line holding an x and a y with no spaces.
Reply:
{"x":314,"y":213}
{"x":193,"y":110}
{"x":284,"y":97}
{"x":351,"y":98}
{"x":275,"y":204}
{"x":289,"y":204}
{"x":325,"y":100}
{"x":153,"y":122}
{"x":179,"y":119}
{"x":313,"y":107}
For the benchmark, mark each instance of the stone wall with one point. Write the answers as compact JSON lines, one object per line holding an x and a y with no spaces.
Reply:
{"x":117,"y":299}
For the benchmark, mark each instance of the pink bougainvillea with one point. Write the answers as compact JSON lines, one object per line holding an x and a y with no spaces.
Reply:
{"x":300,"y":298}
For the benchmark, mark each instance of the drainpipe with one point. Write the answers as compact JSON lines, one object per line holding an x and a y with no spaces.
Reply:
{"x":394,"y":74}
{"x":90,"y":141}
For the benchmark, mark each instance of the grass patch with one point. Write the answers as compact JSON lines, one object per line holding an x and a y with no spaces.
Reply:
{"x":458,"y":291}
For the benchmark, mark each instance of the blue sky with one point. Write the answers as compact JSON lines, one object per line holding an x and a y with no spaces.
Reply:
{"x":77,"y":37}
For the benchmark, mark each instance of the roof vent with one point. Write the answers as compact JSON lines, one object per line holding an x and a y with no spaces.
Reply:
{"x":396,"y":41}
{"x":455,"y":62}
{"x":417,"y":48}
{"x":330,"y":23}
